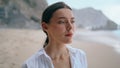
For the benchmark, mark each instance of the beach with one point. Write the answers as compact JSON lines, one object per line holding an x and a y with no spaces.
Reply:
{"x":102,"y":48}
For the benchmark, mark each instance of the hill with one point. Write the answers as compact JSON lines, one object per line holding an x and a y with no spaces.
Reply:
{"x":21,"y":13}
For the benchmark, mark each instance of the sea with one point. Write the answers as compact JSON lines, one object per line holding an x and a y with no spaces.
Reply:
{"x":117,"y":46}
{"x":117,"y":33}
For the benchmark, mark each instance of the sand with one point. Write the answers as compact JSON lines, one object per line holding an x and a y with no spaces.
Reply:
{"x":16,"y":45}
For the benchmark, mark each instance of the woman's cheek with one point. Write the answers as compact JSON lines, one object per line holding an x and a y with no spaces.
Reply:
{"x":59,"y":27}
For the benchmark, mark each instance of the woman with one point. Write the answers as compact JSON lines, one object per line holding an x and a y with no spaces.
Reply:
{"x":58,"y":24}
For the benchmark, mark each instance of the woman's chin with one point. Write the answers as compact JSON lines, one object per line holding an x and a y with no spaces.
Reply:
{"x":68,"y":41}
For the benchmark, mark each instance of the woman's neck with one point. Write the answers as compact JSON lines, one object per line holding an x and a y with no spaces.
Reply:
{"x":56,"y":50}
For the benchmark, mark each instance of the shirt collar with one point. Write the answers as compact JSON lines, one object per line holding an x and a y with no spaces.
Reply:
{"x":42,"y":51}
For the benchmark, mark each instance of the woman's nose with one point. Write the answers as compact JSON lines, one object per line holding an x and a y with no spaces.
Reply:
{"x":69,"y":26}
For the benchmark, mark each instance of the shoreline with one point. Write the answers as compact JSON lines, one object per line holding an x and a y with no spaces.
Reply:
{"x":17,"y":45}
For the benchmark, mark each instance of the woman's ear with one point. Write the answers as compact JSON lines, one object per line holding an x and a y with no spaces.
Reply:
{"x":44,"y":26}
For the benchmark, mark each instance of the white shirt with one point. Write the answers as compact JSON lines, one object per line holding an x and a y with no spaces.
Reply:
{"x":42,"y":60}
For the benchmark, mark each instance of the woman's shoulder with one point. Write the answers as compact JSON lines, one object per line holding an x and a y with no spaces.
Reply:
{"x":38,"y":59}
{"x":34,"y":57}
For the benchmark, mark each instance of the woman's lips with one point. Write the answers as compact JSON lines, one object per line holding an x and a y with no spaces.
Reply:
{"x":69,"y":35}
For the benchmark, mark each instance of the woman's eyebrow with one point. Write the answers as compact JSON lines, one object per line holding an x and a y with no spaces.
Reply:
{"x":65,"y":18}
{"x":61,"y":18}
{"x":73,"y":18}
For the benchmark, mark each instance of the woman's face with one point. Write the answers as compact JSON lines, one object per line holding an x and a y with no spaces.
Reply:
{"x":61,"y":26}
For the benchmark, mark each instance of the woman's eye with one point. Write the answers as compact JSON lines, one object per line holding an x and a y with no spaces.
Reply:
{"x":72,"y":21}
{"x":61,"y":22}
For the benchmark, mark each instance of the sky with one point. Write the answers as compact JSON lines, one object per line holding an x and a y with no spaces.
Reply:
{"x":111,"y":8}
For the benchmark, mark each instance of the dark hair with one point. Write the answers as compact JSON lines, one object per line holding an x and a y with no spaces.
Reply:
{"x":48,"y":13}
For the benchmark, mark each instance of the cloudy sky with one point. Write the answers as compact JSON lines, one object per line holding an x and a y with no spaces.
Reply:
{"x":111,"y":8}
